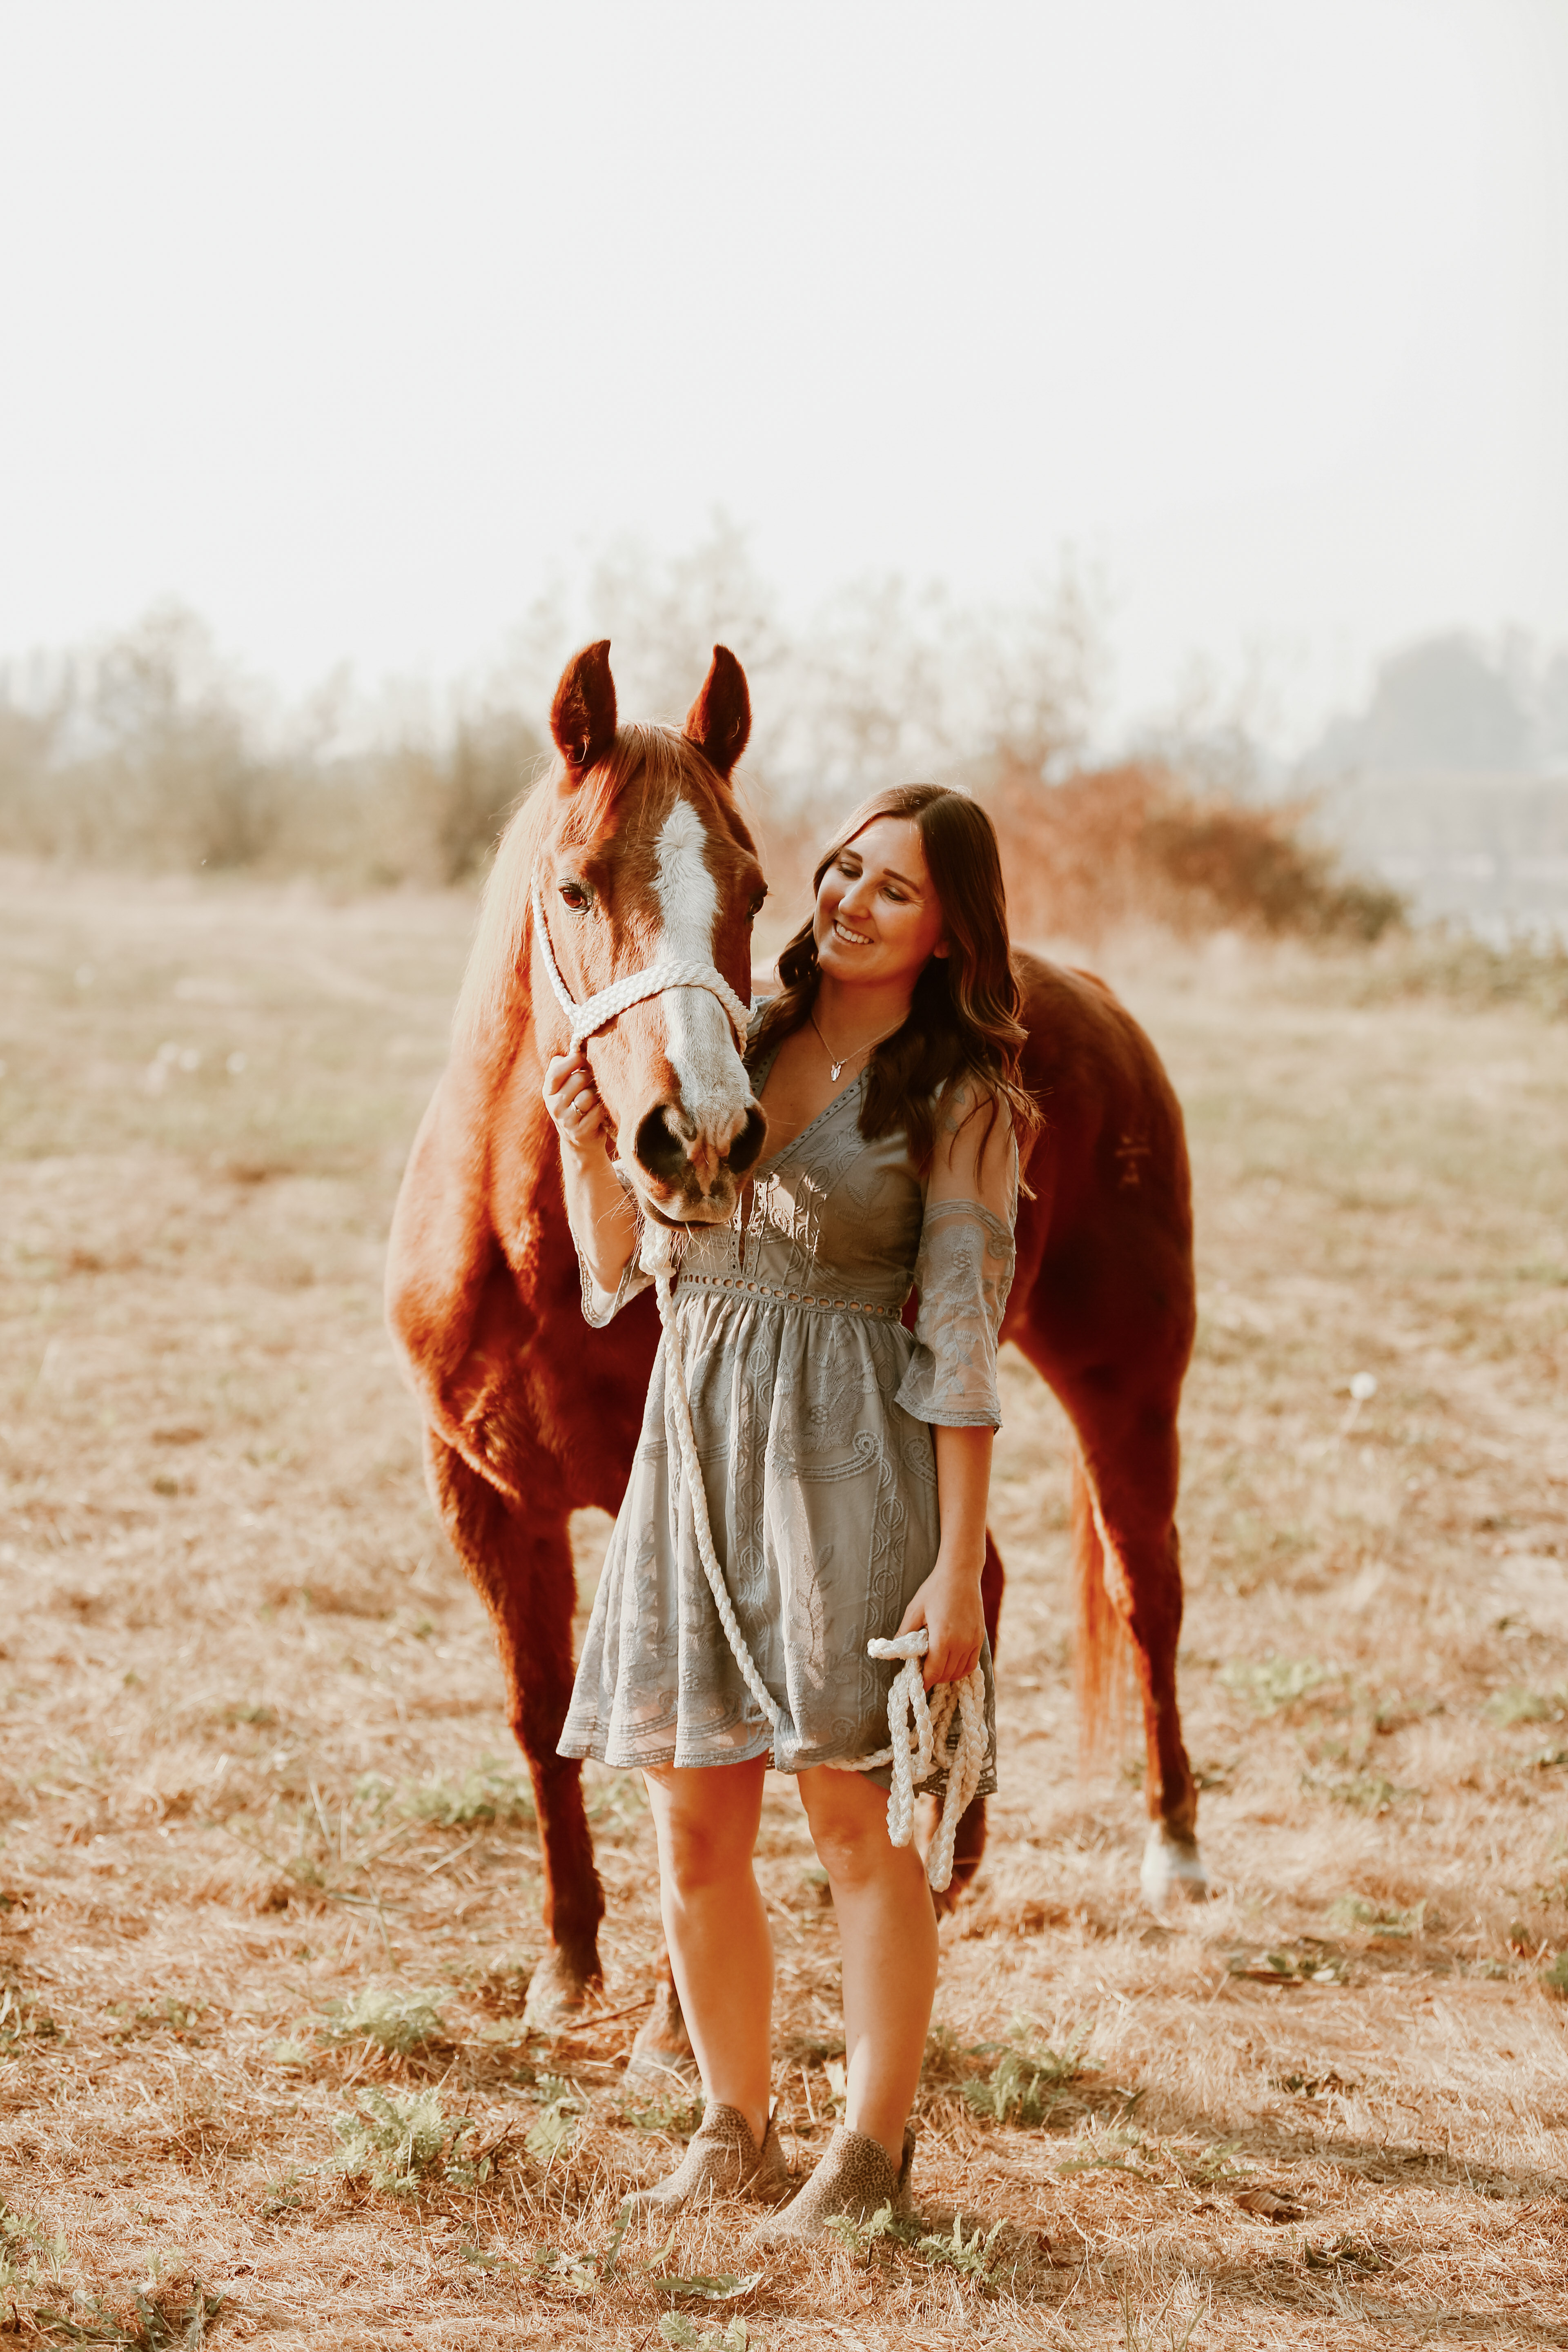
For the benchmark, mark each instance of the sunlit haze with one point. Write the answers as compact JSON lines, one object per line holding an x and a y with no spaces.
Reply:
{"x":353,"y":326}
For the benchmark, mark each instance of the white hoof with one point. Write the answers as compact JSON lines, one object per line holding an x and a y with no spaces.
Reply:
{"x":1172,"y":1866}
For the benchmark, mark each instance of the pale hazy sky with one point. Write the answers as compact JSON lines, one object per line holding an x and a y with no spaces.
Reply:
{"x":349,"y":323}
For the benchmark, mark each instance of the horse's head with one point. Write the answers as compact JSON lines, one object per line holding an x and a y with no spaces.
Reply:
{"x":643,"y":861}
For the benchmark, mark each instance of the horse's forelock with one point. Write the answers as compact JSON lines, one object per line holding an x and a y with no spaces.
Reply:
{"x":667,"y":763}
{"x":658,"y":756}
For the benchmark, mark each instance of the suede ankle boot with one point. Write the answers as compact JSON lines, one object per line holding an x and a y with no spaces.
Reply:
{"x":721,"y":2160}
{"x":852,"y":2178}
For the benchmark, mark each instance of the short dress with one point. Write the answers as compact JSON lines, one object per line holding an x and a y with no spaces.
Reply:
{"x":813,"y":1409}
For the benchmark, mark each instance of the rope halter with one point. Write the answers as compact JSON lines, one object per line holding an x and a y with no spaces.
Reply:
{"x":596,"y":1012}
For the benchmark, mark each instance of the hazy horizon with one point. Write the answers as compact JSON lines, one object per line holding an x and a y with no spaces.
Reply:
{"x":356,"y":331}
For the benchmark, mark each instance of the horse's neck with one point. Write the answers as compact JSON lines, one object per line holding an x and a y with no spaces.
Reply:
{"x":500,"y":1074}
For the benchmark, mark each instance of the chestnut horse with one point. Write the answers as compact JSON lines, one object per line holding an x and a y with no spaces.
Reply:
{"x":636,"y":857}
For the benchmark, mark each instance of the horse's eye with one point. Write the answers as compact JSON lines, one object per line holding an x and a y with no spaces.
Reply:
{"x":755,"y":909}
{"x":578,"y":897}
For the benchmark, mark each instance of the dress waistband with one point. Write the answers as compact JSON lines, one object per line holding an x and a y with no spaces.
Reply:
{"x":787,"y":1298}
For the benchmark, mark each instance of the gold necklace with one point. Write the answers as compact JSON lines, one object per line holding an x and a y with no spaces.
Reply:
{"x":843,"y":1061}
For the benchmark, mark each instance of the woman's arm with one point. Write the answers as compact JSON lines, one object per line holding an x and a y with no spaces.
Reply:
{"x":602,"y":1218}
{"x":948,"y":1603}
{"x":966,"y":1264}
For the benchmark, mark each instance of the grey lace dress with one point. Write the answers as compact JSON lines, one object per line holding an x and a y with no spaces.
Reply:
{"x":813,"y":1408}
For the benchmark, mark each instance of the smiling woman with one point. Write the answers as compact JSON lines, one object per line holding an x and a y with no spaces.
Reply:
{"x":824,"y":1468}
{"x":881,"y":917}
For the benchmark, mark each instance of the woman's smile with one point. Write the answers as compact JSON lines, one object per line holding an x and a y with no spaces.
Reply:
{"x":879,"y":918}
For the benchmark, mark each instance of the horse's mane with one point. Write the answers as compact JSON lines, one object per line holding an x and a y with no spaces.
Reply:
{"x":549,"y":817}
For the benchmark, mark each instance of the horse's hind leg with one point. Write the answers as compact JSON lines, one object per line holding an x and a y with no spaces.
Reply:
{"x":521,"y":1566}
{"x":1128,"y":1552}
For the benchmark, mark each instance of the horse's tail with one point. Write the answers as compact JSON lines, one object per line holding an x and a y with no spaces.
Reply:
{"x":1103,"y":1652}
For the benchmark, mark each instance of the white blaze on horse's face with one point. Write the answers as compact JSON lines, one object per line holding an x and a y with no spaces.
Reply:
{"x":714,"y":1089}
{"x":713,"y":1102}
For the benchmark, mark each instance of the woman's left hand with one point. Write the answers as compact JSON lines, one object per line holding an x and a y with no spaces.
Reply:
{"x":949,"y":1606}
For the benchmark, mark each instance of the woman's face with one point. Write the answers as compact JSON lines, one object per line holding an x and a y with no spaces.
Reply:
{"x":879,"y":918}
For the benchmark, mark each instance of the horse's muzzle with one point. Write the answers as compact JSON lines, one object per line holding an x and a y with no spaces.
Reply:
{"x":692,"y":1177}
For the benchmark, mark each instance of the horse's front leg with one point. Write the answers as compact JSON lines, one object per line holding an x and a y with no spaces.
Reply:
{"x":520,"y":1565}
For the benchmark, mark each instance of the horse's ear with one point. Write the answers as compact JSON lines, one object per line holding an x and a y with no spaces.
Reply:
{"x":583,"y":715}
{"x":720,"y":720}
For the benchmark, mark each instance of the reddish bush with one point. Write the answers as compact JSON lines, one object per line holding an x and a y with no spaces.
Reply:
{"x":1115,"y":847}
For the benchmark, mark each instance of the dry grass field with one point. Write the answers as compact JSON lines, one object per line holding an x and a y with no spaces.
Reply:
{"x":268,"y":1896}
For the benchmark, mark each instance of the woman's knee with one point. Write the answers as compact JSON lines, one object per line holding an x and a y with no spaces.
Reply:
{"x":849,"y":1818}
{"x":706,"y":1824}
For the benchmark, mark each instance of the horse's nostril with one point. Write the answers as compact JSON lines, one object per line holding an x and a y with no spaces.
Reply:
{"x":668,"y":1143}
{"x":658,"y":1148}
{"x":747,"y":1145}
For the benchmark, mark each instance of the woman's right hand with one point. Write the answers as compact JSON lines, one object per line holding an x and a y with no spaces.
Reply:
{"x":573,"y":1101}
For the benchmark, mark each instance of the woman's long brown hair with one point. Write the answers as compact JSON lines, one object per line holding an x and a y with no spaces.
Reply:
{"x":964,"y":1015}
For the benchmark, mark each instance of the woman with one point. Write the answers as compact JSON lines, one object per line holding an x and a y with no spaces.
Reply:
{"x":846,"y":1466}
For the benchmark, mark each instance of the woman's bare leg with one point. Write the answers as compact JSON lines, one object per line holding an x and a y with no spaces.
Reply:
{"x":888,"y":1928}
{"x":720,"y":1948}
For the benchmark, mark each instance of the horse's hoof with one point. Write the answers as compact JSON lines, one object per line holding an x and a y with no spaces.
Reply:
{"x":662,"y":2055}
{"x":559,"y":1991}
{"x":1172,"y":1866}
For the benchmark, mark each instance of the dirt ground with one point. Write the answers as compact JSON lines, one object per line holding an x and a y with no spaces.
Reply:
{"x":267,"y":1892}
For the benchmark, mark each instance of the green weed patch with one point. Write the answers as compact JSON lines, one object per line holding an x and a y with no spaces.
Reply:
{"x":1026,"y":2081}
{"x":398,"y":2022}
{"x":398,"y":2147}
{"x":1273,"y":1682}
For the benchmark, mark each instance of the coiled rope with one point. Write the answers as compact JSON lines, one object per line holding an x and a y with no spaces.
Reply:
{"x":920,"y":1729}
{"x":596,"y":1012}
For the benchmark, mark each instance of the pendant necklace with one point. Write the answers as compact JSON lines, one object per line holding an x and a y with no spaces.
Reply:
{"x":843,"y":1061}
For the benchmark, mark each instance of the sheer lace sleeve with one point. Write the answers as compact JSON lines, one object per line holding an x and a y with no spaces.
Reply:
{"x":601,"y":1307}
{"x":964,"y":1268}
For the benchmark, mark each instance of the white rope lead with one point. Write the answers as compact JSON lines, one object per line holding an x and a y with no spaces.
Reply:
{"x":920,"y":1729}
{"x":596,"y":1012}
{"x":686,"y":1438}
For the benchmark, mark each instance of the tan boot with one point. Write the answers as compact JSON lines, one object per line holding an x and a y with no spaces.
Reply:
{"x":854,"y":2179}
{"x":722,"y":2159}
